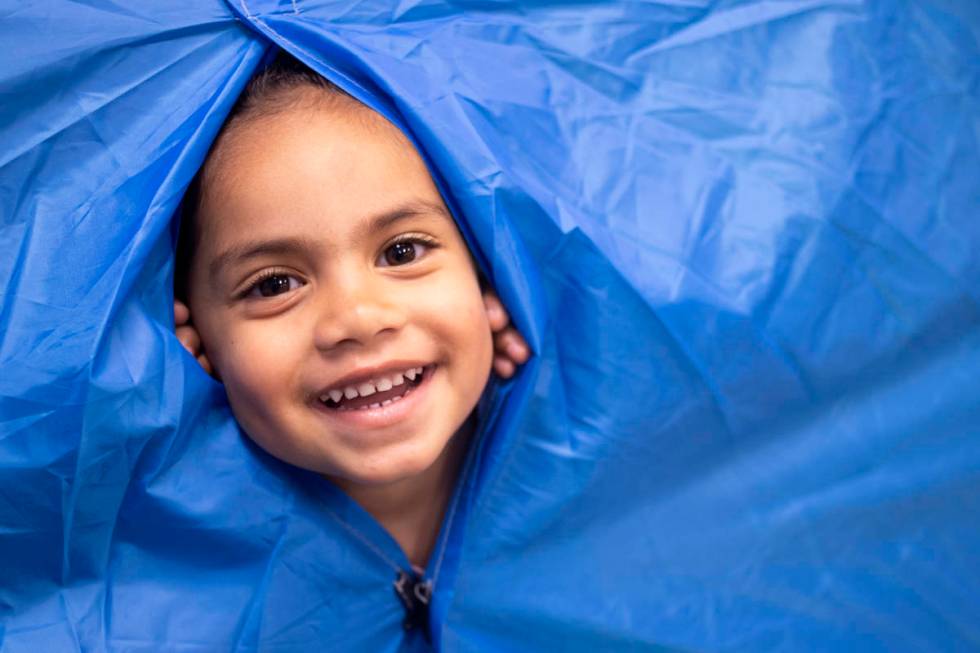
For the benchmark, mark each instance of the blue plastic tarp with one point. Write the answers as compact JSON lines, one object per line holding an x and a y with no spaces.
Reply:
{"x":741,"y":237}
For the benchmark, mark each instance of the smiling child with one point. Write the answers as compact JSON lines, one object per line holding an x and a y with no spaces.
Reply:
{"x":337,"y":301}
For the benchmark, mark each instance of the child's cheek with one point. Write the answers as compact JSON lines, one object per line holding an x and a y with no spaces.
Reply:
{"x":480,"y":335}
{"x":258,"y":371}
{"x":257,"y":364}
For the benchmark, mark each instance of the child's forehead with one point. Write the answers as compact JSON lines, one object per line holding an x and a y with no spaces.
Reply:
{"x":324,"y":178}
{"x":284,"y":128}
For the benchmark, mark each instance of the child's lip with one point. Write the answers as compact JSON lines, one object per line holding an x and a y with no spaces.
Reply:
{"x":382,"y":416}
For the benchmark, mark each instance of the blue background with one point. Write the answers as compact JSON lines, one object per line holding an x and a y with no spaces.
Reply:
{"x":741,"y":236}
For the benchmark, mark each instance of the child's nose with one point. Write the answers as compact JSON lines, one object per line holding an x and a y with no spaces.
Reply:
{"x":356,"y":313}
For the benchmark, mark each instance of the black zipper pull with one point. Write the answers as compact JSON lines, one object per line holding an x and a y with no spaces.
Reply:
{"x":414,"y":593}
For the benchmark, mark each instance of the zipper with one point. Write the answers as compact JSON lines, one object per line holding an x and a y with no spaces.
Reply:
{"x":415,"y":592}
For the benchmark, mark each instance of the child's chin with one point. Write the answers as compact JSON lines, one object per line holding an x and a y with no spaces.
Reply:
{"x":390,"y":473}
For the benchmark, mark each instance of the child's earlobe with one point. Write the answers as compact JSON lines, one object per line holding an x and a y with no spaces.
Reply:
{"x":190,"y":338}
{"x":509,"y":348}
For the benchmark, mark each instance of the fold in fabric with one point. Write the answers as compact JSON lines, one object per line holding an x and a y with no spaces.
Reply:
{"x":739,"y":236}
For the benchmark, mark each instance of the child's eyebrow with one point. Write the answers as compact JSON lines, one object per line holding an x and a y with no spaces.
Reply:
{"x":416,"y":208}
{"x":245,"y":251}
{"x":286,"y":246}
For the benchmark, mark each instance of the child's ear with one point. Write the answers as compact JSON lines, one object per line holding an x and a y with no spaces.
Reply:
{"x":510,"y":351}
{"x":190,"y":338}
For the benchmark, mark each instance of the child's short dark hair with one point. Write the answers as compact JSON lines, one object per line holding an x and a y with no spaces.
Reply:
{"x":271,"y":91}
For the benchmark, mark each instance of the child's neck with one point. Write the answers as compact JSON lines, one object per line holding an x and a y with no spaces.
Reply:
{"x":412,"y":509}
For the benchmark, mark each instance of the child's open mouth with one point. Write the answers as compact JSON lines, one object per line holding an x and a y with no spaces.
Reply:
{"x":381,"y":391}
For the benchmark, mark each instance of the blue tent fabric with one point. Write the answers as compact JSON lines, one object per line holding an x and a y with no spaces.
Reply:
{"x":739,"y":235}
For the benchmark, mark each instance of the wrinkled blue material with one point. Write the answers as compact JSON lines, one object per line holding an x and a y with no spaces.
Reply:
{"x":742,"y":237}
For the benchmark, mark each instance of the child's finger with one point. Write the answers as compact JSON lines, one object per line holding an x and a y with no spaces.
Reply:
{"x":496,"y":315}
{"x":187,"y":335}
{"x":205,"y":363}
{"x":503,"y":367}
{"x":510,"y":343}
{"x":182,"y":314}
{"x":517,"y":349}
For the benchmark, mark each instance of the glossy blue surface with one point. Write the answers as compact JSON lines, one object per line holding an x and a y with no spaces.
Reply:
{"x":741,"y":235}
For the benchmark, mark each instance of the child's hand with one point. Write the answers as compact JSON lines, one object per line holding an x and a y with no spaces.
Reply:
{"x":188,"y":336}
{"x":509,"y":348}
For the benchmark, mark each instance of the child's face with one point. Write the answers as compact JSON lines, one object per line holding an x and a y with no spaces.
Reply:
{"x":327,"y":262}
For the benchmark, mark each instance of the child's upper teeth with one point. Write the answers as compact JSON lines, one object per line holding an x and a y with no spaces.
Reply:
{"x":368,"y":388}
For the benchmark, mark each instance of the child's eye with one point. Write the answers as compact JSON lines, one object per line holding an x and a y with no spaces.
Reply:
{"x":404,"y":251}
{"x":270,"y":285}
